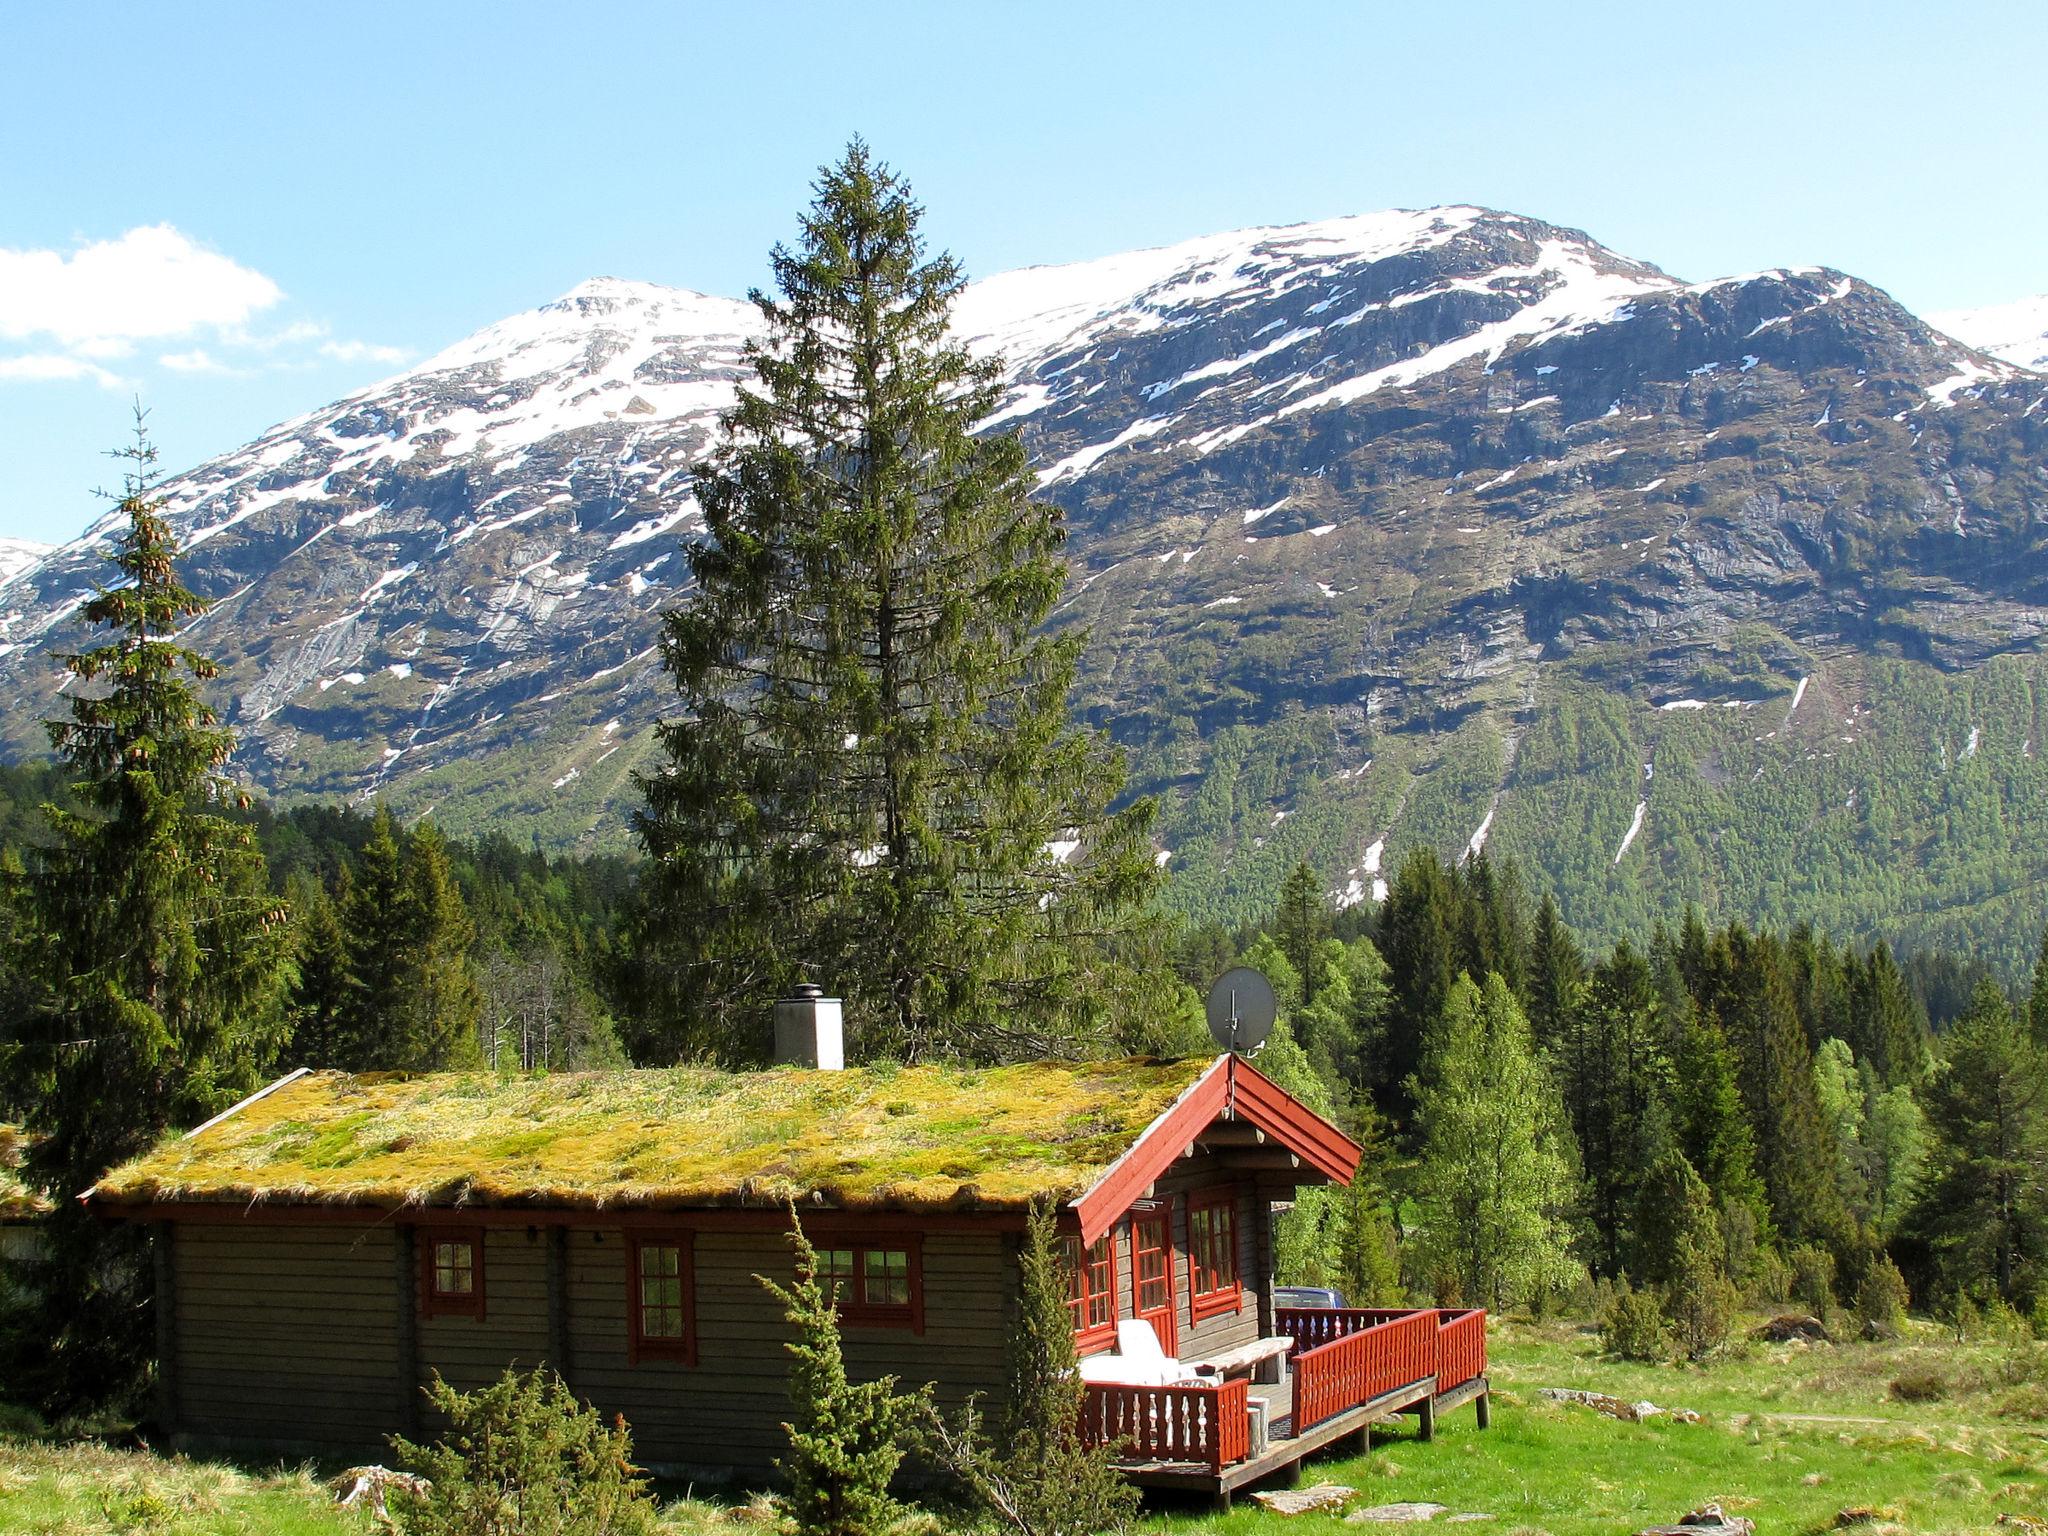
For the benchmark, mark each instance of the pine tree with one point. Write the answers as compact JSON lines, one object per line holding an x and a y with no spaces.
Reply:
{"x":1617,"y":1091}
{"x":1418,"y":938}
{"x":1887,"y":1029}
{"x":1711,"y":1126}
{"x":443,"y":1003}
{"x":1752,"y":999}
{"x":152,"y":949}
{"x":846,"y":1438}
{"x":874,"y":782}
{"x":1494,"y":1173}
{"x":321,"y":1000}
{"x":1557,"y":976}
{"x":1300,"y":924}
{"x":1983,"y":1206}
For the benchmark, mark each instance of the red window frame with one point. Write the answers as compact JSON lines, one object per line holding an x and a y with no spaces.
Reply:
{"x":437,"y":1300}
{"x":852,"y":1302}
{"x":1214,"y":1285}
{"x":680,"y":1348}
{"x":1091,"y":1282}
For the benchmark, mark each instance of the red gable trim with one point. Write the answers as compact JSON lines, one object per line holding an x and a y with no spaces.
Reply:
{"x":1234,"y":1084}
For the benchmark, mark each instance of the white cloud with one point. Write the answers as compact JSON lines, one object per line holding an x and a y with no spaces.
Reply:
{"x":152,"y":282}
{"x":362,"y":352}
{"x":45,"y":367}
{"x":198,"y":360}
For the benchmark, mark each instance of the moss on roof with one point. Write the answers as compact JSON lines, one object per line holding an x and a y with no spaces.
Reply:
{"x":882,"y":1137}
{"x":17,"y":1200}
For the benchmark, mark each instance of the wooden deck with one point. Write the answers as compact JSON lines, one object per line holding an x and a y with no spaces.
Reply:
{"x":1285,"y":1450}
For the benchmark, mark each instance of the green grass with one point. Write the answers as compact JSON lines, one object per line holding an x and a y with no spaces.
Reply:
{"x":1791,"y":1436}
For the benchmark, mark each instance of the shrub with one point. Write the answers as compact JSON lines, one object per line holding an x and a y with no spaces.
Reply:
{"x":1813,"y":1278}
{"x":1041,"y":1480}
{"x":1699,"y":1301}
{"x":2028,"y":1403}
{"x":846,"y":1438}
{"x":1881,"y":1299}
{"x":1920,"y":1386}
{"x":522,"y":1457}
{"x":1633,"y":1325}
{"x":1770,"y":1277}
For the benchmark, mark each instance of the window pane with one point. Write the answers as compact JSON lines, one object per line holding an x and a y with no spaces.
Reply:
{"x":887,"y":1274}
{"x":453,"y":1269}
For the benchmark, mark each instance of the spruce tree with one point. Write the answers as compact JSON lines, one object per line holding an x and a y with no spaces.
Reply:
{"x":1557,"y":976}
{"x":1300,"y":924}
{"x":1617,"y":1091}
{"x":846,"y":1438}
{"x":1887,"y":1029}
{"x":443,"y":1002}
{"x":1711,"y":1126}
{"x":321,"y":1000}
{"x":1985,"y":1204}
{"x":1419,"y":940}
{"x":152,"y":950}
{"x":873,"y":782}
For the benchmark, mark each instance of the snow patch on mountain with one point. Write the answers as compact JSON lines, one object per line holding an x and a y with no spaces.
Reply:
{"x":18,"y":555}
{"x":2015,"y":332}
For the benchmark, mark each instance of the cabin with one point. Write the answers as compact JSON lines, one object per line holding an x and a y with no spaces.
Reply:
{"x":326,"y":1246}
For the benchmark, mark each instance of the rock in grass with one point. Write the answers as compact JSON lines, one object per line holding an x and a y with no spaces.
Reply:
{"x":1394,"y":1514}
{"x":1300,"y":1501}
{"x":1708,"y":1521}
{"x":1617,"y":1408}
{"x":1793,"y":1325}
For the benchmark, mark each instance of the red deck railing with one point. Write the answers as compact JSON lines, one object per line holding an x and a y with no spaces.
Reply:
{"x":1344,"y":1356}
{"x":1206,"y":1424}
{"x":1460,"y":1347}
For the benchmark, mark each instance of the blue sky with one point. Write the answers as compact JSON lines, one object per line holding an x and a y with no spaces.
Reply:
{"x":241,"y":212}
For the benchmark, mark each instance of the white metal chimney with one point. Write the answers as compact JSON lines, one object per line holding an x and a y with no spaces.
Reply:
{"x":809,"y":1031}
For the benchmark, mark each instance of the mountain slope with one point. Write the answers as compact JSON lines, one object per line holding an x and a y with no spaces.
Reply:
{"x":2016,"y":332}
{"x":1388,"y":530}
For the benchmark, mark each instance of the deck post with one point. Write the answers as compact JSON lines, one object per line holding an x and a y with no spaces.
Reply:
{"x":1483,"y":1405}
{"x":1426,"y":1414}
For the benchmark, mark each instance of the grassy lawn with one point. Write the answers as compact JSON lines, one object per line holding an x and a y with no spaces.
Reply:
{"x":1792,"y":1436}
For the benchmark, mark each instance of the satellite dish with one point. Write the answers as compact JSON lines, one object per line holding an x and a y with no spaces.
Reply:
{"x":1241,"y":1010}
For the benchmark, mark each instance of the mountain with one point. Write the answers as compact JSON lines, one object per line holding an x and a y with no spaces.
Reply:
{"x":2017,"y":332}
{"x":18,"y":555}
{"x":1447,"y":527}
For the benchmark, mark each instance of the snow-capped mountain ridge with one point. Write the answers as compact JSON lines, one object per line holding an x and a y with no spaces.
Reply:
{"x":444,"y":586}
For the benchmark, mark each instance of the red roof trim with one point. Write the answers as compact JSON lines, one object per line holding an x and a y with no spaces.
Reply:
{"x":1234,"y":1084}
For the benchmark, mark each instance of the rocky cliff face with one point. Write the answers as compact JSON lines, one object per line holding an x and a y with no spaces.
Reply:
{"x":1353,"y":505}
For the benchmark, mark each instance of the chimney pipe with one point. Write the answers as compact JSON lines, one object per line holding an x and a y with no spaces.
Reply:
{"x":808,"y":1030}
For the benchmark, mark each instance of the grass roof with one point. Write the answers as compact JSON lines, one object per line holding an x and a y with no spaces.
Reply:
{"x":920,"y":1138}
{"x":17,"y":1200}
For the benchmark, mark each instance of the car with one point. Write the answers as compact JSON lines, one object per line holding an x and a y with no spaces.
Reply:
{"x":1301,"y":1297}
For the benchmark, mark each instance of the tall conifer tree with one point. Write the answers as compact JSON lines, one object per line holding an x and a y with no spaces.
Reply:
{"x":1299,"y":925}
{"x":1419,"y":941}
{"x":874,"y":783}
{"x":151,"y":946}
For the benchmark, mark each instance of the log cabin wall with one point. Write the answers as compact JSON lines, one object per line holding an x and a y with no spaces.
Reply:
{"x":286,"y":1338}
{"x":728,"y":1409}
{"x":1227,"y":1330}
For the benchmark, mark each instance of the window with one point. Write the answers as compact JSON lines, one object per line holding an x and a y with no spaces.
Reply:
{"x":1212,"y":1254}
{"x":451,"y":1272}
{"x":659,"y":1298}
{"x":1091,"y":1290}
{"x":879,"y":1286}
